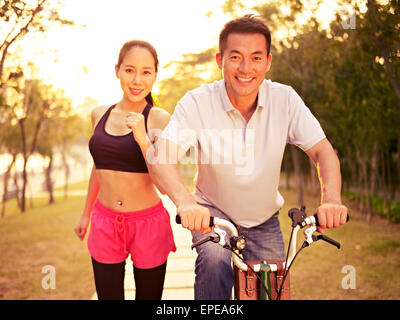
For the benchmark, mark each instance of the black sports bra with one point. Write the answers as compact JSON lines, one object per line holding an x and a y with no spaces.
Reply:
{"x":120,"y":153}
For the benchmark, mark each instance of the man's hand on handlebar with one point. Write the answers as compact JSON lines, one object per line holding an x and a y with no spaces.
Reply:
{"x":331,"y":215}
{"x":195,"y":217}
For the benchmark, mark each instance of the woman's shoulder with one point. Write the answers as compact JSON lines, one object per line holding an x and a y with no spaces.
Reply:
{"x":97,"y":113}
{"x":158,"y":117}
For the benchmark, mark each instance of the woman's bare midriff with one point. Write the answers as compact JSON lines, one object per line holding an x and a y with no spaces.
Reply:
{"x":126,"y":191}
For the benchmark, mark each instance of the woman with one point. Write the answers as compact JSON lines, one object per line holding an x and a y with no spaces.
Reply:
{"x":127,"y":215}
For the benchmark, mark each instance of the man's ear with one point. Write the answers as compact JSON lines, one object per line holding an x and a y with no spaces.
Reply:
{"x":218,"y":58}
{"x":269,"y":60}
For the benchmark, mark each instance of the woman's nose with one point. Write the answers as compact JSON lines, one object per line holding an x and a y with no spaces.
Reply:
{"x":136,"y":78}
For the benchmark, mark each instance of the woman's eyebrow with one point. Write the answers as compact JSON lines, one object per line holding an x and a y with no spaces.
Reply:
{"x":132,"y":66}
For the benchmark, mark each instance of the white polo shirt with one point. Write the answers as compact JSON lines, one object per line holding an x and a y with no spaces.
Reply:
{"x":239,"y":162}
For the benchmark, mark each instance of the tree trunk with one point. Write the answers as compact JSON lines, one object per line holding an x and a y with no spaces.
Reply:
{"x":387,"y":181}
{"x":17,"y":187}
{"x":25,"y":151}
{"x":24,"y":183}
{"x":373,"y":180}
{"x":5,"y":181}
{"x":67,"y":173}
{"x":49,"y":182}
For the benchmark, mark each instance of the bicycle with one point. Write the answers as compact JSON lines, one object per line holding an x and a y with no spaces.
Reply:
{"x":264,"y":279}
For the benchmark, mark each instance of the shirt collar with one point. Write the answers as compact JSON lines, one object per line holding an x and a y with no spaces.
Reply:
{"x":262,"y":101}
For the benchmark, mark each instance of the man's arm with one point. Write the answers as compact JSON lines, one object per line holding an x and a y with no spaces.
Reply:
{"x":331,"y":213}
{"x":162,"y":165}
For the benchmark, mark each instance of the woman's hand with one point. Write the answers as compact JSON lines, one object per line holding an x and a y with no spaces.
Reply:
{"x":81,"y":227}
{"x":135,"y":121}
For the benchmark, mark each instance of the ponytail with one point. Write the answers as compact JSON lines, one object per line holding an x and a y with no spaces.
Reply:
{"x":149,"y":99}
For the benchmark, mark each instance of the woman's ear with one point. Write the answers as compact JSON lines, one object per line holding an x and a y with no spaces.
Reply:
{"x":117,"y":71}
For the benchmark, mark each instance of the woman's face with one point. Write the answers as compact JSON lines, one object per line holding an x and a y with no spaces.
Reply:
{"x":137,"y":74}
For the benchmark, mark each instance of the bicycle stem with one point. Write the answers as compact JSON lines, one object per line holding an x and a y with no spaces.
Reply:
{"x":264,"y":265}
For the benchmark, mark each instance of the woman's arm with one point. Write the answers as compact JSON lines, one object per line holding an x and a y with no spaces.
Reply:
{"x":93,"y":188}
{"x":157,"y":121}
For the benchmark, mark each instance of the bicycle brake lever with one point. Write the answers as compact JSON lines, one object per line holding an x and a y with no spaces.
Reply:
{"x":298,"y":216}
{"x":206,"y":239}
{"x":327,"y":239}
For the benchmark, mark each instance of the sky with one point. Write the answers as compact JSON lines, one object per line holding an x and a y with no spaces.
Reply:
{"x":81,"y":60}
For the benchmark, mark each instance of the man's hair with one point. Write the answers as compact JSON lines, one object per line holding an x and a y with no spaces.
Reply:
{"x":246,"y":24}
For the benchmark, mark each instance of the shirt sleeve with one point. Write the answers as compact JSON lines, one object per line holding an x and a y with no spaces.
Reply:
{"x":304,"y":129}
{"x":181,"y":128}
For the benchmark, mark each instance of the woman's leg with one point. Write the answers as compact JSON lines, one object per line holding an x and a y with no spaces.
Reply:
{"x":149,"y":282}
{"x":109,"y":280}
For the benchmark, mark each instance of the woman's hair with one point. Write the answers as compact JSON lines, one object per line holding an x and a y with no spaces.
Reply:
{"x":246,"y":24}
{"x":141,"y":44}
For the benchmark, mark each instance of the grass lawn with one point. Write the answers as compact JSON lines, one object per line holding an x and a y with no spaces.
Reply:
{"x":39,"y":237}
{"x":44,"y":235}
{"x":373,"y":250}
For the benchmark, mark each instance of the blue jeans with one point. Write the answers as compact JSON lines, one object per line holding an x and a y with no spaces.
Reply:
{"x":214,"y":274}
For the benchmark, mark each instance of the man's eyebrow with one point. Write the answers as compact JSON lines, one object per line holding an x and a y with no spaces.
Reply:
{"x":234,"y":51}
{"x":238,"y":52}
{"x":258,"y":52}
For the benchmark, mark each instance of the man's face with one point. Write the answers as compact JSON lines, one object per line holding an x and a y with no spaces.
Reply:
{"x":244,"y":64}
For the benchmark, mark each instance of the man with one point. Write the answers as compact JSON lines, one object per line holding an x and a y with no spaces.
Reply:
{"x":256,"y":117}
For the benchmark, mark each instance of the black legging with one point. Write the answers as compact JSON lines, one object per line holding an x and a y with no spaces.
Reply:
{"x":109,"y":281}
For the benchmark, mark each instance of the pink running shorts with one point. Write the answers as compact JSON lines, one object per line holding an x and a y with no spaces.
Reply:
{"x":145,"y":234}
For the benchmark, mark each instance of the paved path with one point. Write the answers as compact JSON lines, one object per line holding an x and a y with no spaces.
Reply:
{"x":179,"y":278}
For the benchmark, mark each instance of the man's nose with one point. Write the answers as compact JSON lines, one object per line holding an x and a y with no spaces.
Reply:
{"x":244,"y":65}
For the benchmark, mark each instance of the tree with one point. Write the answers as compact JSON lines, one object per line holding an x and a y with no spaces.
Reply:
{"x":19,"y":17}
{"x":349,"y":79}
{"x":384,"y":29}
{"x":10,"y":144}
{"x":60,"y":128}
{"x":193,"y":70}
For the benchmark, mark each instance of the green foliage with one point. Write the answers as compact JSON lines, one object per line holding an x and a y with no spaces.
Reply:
{"x":20,"y":17}
{"x":189,"y":73}
{"x":378,"y":204}
{"x":349,"y":78}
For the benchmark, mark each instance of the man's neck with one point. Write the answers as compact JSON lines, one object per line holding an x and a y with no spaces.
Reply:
{"x":245,"y":105}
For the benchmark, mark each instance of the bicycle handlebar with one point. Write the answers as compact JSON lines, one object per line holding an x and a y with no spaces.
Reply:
{"x":179,"y":221}
{"x":299,"y":221}
{"x":315,"y":216}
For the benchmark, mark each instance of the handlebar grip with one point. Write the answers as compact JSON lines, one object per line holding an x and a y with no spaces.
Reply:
{"x":317,"y":222}
{"x":327,"y":239}
{"x":179,"y":221}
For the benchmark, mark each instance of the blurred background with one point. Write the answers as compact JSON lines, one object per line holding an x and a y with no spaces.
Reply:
{"x":57,"y":63}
